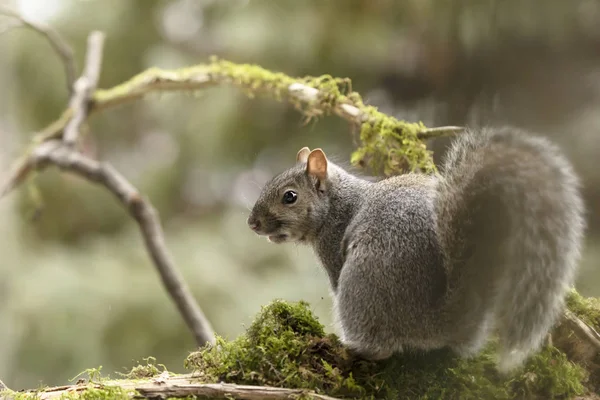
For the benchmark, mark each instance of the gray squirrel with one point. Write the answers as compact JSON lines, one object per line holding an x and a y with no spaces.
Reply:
{"x":492,"y":242}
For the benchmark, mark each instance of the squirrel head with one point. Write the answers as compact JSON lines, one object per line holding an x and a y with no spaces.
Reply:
{"x":292,"y":205}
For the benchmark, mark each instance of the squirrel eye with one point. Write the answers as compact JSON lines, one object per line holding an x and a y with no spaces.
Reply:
{"x":289,"y":197}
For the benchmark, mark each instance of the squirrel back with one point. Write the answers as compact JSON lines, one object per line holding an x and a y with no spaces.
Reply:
{"x":427,"y":261}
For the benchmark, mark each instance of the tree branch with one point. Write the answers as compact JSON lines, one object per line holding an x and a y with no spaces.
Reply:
{"x":84,"y":87}
{"x":312,"y":96}
{"x":442,"y":131}
{"x":227,"y":391}
{"x":181,"y":386}
{"x":61,"y":153}
{"x":202,"y":76}
{"x":58,"y":44}
{"x":586,"y":332}
{"x":56,"y":153}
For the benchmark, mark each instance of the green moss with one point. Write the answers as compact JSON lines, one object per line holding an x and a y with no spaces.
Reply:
{"x":94,"y":375}
{"x":253,"y":79}
{"x":549,"y":375}
{"x":286,"y":346}
{"x":99,"y":393}
{"x":147,"y":370}
{"x":390,"y":146}
{"x":586,"y":308}
{"x":91,"y":392}
{"x":20,"y":395}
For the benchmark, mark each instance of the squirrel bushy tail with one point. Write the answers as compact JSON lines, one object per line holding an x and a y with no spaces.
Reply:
{"x":510,"y":220}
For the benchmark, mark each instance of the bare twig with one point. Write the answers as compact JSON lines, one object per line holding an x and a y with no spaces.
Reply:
{"x":84,"y":87}
{"x":56,"y":153}
{"x":441,"y":131}
{"x":2,"y":386}
{"x":60,"y":46}
{"x":16,"y":176}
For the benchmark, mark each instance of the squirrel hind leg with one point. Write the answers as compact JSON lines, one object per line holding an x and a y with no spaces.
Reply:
{"x":359,"y":348}
{"x":369,"y":353}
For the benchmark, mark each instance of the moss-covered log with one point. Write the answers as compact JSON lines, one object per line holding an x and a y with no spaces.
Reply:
{"x":286,"y":347}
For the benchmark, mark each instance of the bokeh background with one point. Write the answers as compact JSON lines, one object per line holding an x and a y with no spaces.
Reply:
{"x":77,"y":289}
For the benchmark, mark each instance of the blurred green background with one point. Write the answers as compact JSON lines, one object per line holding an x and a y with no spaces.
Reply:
{"x":77,"y":289}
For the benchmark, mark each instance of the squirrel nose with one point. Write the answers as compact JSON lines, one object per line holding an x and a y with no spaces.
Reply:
{"x":253,"y":223}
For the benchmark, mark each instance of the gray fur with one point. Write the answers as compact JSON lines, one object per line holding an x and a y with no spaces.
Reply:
{"x":431,"y":261}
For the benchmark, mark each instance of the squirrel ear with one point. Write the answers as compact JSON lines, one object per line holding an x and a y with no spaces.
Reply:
{"x":302,"y":155}
{"x":316,"y":164}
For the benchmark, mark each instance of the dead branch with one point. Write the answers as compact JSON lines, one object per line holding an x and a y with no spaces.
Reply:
{"x":442,"y":131}
{"x":56,"y":41}
{"x":19,"y":171}
{"x":171,"y":386}
{"x":227,"y":391}
{"x":62,"y":154}
{"x":56,"y":153}
{"x":585,"y":331}
{"x":84,"y":87}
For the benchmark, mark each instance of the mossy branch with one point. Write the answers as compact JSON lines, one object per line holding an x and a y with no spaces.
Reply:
{"x":388,"y":145}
